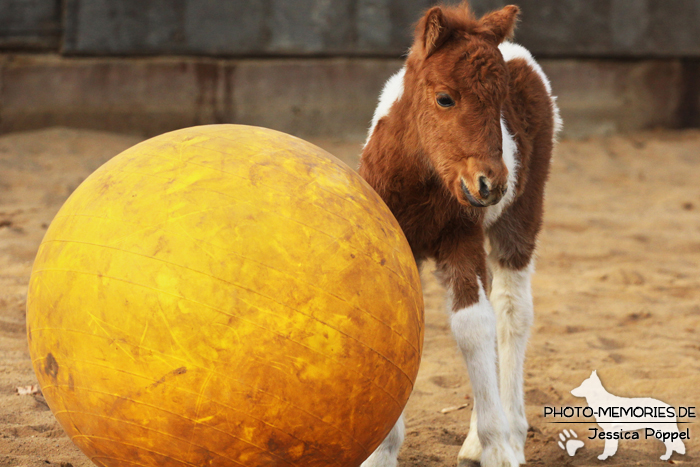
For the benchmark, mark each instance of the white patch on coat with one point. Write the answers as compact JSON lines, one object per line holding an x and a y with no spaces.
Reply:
{"x":511,"y":51}
{"x":510,"y":150}
{"x":392,"y":92}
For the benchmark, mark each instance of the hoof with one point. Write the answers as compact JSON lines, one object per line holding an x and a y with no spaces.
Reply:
{"x":519,"y":450}
{"x":499,"y":455}
{"x":470,"y":453}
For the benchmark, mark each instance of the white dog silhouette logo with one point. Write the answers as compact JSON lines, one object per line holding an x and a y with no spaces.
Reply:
{"x":616,"y":415}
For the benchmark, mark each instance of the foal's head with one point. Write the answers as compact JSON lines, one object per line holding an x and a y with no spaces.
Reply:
{"x":458,"y":81}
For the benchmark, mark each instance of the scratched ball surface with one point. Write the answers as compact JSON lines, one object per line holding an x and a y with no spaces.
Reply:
{"x":225,"y":295}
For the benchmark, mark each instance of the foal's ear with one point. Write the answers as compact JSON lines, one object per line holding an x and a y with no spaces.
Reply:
{"x":431,"y":31}
{"x":502,"y":22}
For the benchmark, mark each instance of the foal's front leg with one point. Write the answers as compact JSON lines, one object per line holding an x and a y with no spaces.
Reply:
{"x":513,"y":238}
{"x":473,"y":324}
{"x":511,"y":296}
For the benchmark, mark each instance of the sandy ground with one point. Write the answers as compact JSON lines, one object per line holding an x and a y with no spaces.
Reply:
{"x":617,"y":289}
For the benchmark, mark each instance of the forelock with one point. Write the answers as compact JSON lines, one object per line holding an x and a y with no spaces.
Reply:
{"x":482,"y":66}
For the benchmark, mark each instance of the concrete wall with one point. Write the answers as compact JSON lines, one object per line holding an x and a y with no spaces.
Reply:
{"x":607,"y":28}
{"x":328,"y":97}
{"x":315,"y":67}
{"x":552,"y":28}
{"x":240,"y":27}
{"x":30,"y":24}
{"x":332,"y":97}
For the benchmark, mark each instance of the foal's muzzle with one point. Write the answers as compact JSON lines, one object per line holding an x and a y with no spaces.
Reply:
{"x":485,"y":192}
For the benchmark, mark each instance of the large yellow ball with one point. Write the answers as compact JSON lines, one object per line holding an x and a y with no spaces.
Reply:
{"x":225,"y":295}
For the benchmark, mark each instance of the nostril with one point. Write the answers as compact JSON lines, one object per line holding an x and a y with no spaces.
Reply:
{"x":483,"y":188}
{"x":465,"y":190}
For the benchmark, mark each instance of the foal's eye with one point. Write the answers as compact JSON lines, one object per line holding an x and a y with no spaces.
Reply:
{"x":444,"y":100}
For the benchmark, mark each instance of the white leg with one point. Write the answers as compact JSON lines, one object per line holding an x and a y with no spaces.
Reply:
{"x":387,"y":453}
{"x":471,"y":448}
{"x":511,"y":297}
{"x":474,"y":328}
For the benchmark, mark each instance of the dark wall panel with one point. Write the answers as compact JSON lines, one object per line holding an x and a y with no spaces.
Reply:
{"x":240,"y":27}
{"x":632,"y":28}
{"x":555,"y":28}
{"x":30,"y":24}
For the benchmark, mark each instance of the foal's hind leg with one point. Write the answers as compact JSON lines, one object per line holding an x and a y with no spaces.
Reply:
{"x":387,"y":453}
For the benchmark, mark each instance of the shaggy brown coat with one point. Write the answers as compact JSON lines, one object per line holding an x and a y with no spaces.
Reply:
{"x":421,"y":157}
